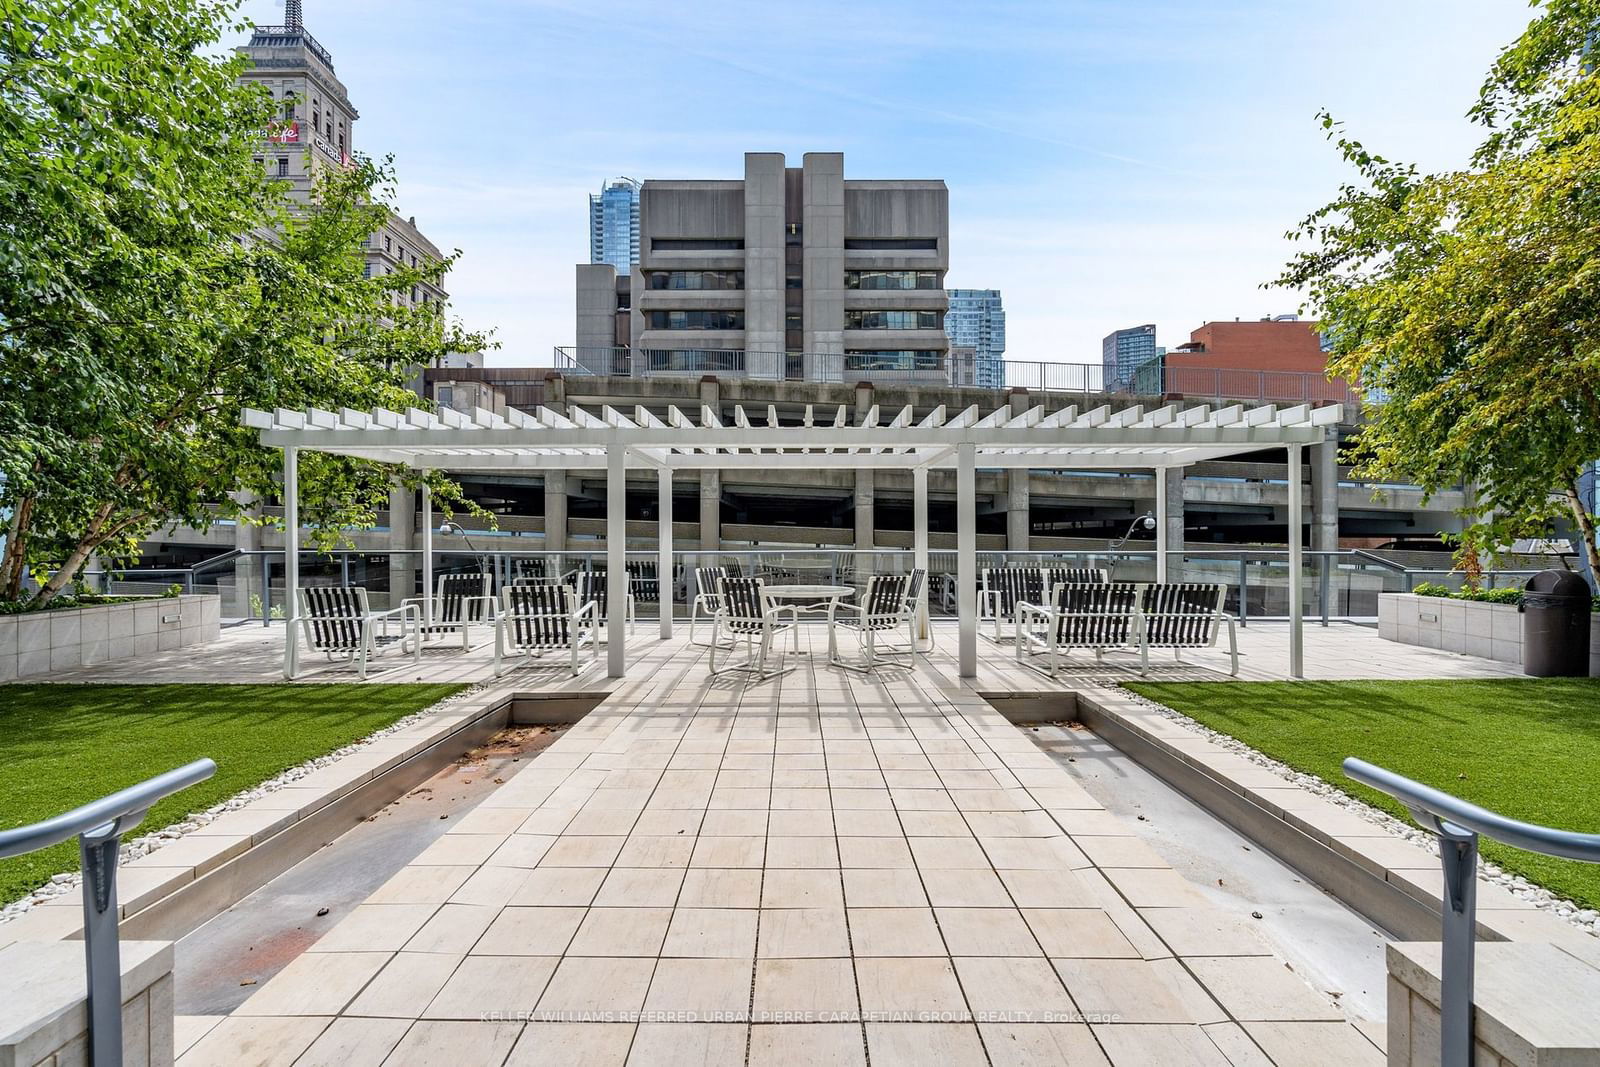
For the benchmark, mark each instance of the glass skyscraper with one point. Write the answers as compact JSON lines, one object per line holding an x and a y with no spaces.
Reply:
{"x":977,"y":320}
{"x":614,"y":224}
{"x":1125,"y":353}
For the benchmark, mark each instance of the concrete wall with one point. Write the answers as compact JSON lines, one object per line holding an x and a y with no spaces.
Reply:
{"x":40,"y":643}
{"x":1470,"y":627}
{"x":596,"y":315}
{"x":823,"y":258}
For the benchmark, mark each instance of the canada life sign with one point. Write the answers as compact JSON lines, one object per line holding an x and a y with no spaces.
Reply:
{"x":285,"y":133}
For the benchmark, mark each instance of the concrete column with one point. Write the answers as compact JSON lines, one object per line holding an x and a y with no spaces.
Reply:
{"x":555,"y":481}
{"x":1296,"y":576}
{"x":823,"y":264}
{"x":1169,"y":491}
{"x":1019,"y":536}
{"x":1325,"y":494}
{"x":764,"y":198}
{"x":711,"y":480}
{"x":865,"y":490}
{"x":402,"y":540}
{"x":616,"y":561}
{"x":967,"y":557}
{"x":247,"y":568}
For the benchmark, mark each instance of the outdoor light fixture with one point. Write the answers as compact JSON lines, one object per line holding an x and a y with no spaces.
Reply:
{"x":449,"y":526}
{"x":1146,"y":521}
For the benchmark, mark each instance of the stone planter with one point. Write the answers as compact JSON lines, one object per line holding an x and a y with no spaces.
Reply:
{"x":39,"y":644}
{"x":1470,"y":627}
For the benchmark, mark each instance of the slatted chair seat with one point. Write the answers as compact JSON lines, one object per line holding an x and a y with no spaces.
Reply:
{"x":1003,"y":588}
{"x":594,"y":587}
{"x":529,"y":567}
{"x":1097,"y":616}
{"x":744,"y":612}
{"x":886,"y":607}
{"x":542,"y":617}
{"x":337,"y":621}
{"x":644,"y":583}
{"x":1180,"y":615}
{"x":460,"y":601}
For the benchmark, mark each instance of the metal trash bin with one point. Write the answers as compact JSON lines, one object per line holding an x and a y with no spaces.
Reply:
{"x":1555,"y":625}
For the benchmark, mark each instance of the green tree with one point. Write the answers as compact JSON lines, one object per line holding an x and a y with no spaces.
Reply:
{"x":154,"y":282}
{"x":1468,"y":301}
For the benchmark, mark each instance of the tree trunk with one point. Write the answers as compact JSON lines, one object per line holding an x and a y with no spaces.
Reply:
{"x":92,"y":539}
{"x":14,"y":565}
{"x":1585,"y":521}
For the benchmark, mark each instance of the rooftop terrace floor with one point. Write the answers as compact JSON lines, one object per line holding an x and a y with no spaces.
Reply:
{"x":821,"y":867}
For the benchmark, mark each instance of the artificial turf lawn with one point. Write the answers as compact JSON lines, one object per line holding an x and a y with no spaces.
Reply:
{"x":64,"y":745}
{"x":1527,"y":748}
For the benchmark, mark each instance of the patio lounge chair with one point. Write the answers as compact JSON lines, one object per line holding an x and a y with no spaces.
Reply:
{"x":543,"y":617}
{"x":1097,"y":616}
{"x":886,"y":607}
{"x":1180,"y":615}
{"x":1003,"y":588}
{"x":745,"y":613}
{"x":459,"y":601}
{"x":336,"y":620}
{"x":593,"y":587}
{"x":914,"y":583}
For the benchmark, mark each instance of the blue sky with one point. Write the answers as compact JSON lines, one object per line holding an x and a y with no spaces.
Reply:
{"x":1110,"y":162}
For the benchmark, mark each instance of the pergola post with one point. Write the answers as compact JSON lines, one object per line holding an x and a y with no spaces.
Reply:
{"x":967,"y":556}
{"x":427,"y":558}
{"x":616,"y":560}
{"x":1161,"y":524}
{"x":919,"y":542}
{"x":1297,"y":652}
{"x":291,"y":559}
{"x":666,"y":588}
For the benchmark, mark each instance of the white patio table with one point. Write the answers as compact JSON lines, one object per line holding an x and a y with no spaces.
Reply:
{"x":808,"y":598}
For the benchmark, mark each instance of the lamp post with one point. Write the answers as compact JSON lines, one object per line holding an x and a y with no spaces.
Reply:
{"x":1147,"y":521}
{"x":449,"y":526}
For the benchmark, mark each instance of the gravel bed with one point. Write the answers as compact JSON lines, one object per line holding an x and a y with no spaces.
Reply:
{"x":1585,"y":919}
{"x":133,"y":848}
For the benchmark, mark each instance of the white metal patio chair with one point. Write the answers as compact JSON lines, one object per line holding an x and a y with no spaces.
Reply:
{"x":337,"y":621}
{"x":745,"y":613}
{"x":460,"y":601}
{"x":1003,"y":588}
{"x":914,"y":584}
{"x":886,"y":607}
{"x":708,"y":596}
{"x":593,"y":587}
{"x":1098,"y":616}
{"x":542,"y":617}
{"x":1180,"y":615}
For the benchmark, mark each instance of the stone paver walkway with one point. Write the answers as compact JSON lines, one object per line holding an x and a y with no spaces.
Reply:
{"x":821,"y":868}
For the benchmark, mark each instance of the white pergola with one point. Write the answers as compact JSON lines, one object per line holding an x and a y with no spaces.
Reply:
{"x":1157,"y":439}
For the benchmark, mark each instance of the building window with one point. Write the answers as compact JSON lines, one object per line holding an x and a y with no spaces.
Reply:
{"x":695,"y":279}
{"x":892,"y":320}
{"x":793,"y":281}
{"x":696,"y":320}
{"x":283,"y":166}
{"x":696,"y":244}
{"x":891,"y":360}
{"x":892,"y":244}
{"x":446,"y":395}
{"x":366,"y":270}
{"x":288,"y":106}
{"x":891,"y":279}
{"x":388,"y":243}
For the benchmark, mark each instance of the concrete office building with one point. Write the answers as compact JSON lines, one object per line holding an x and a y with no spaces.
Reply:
{"x":977,"y":320}
{"x":315,"y":128}
{"x":614,"y":224}
{"x":788,"y":273}
{"x":1124,"y":353}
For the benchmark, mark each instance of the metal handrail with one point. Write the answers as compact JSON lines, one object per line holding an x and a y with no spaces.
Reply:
{"x":99,"y":826}
{"x":1458,"y":824}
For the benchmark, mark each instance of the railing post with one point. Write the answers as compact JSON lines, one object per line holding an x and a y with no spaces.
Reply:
{"x":1458,"y":852}
{"x":266,"y":589}
{"x":102,"y":955}
{"x":1244,"y":585}
{"x":1323,"y":584}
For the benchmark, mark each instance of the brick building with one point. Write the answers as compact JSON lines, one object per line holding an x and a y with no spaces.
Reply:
{"x":1283,"y":354}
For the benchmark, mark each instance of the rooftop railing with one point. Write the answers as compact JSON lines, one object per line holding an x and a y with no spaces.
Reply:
{"x":1458,"y":824}
{"x":960,"y":370}
{"x":99,"y":826}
